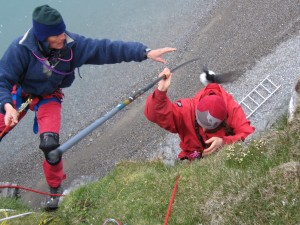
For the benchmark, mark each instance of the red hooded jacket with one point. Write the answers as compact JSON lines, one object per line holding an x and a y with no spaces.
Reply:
{"x":180,"y":117}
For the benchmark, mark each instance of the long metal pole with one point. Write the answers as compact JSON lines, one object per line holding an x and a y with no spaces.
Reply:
{"x":83,"y":133}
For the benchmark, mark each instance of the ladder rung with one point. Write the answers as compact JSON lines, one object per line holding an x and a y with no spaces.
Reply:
{"x":271,"y":82}
{"x":246,"y":106}
{"x":265,"y":88}
{"x":253,"y":100}
{"x":255,"y":90}
{"x":259,"y":94}
{"x":263,"y":102}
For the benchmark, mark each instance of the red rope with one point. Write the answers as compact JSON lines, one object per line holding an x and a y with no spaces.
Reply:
{"x":172,"y":200}
{"x":21,"y":109}
{"x":173,"y":195}
{"x":28,"y":189}
{"x":5,"y":130}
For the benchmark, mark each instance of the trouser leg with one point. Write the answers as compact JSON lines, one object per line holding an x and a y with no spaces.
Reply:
{"x":54,"y":174}
{"x":49,"y":120}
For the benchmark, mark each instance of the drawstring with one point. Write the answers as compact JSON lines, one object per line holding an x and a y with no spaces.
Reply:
{"x":79,"y":72}
{"x":43,"y":61}
{"x":204,"y":145}
{"x":199,"y":136}
{"x":46,"y":58}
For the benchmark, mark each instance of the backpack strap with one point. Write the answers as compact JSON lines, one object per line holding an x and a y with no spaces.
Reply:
{"x":17,"y":96}
{"x":200,"y":138}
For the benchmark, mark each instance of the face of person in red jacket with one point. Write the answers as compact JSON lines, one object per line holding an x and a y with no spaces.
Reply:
{"x":211,"y":112}
{"x":57,"y":42}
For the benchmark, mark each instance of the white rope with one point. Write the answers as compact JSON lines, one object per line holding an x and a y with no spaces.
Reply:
{"x":112,"y":220}
{"x":15,"y":216}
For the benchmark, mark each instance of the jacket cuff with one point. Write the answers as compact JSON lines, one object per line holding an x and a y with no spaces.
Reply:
{"x":2,"y":111}
{"x":160,"y":94}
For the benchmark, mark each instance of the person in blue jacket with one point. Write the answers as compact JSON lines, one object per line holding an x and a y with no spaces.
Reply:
{"x":36,"y":67}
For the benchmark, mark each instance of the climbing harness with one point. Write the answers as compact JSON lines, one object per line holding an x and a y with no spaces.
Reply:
{"x":18,"y":96}
{"x":23,"y":106}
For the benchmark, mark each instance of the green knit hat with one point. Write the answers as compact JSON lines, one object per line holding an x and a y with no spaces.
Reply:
{"x":47,"y":22}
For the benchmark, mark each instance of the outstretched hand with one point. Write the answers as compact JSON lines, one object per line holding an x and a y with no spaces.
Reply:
{"x":156,"y":54}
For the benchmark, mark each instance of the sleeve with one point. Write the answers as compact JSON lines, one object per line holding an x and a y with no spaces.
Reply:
{"x":12,"y":66}
{"x":238,"y":122}
{"x":160,"y":110}
{"x":105,"y":51}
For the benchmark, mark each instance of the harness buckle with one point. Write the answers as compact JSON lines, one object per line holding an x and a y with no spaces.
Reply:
{"x":25,"y":104}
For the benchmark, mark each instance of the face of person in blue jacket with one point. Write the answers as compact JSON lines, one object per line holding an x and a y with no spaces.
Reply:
{"x":57,"y":42}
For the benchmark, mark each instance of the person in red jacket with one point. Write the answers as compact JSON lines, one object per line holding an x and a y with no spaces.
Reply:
{"x":204,"y":123}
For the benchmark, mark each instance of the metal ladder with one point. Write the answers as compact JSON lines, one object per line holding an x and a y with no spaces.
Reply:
{"x":261,"y":93}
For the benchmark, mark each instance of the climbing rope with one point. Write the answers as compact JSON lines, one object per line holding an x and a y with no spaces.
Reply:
{"x":4,"y":220}
{"x":172,"y":200}
{"x":12,"y":217}
{"x":174,"y":193}
{"x":29,"y":189}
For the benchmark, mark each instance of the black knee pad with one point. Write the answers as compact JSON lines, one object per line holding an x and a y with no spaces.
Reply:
{"x":49,"y":142}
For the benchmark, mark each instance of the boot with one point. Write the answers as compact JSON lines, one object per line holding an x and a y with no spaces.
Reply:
{"x":52,"y":201}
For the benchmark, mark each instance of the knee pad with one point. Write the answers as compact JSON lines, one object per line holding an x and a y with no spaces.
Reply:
{"x":49,"y":142}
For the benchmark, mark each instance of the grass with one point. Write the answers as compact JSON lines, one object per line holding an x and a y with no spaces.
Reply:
{"x":257,"y":183}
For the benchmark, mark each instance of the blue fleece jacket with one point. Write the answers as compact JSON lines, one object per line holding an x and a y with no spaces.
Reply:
{"x":20,"y":65}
